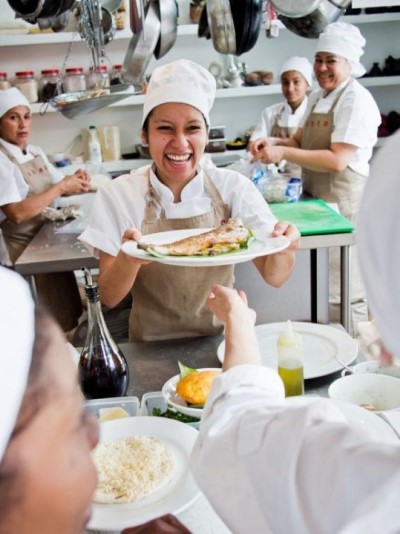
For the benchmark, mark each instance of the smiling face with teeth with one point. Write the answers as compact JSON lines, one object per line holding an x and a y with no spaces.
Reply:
{"x":177,"y":136}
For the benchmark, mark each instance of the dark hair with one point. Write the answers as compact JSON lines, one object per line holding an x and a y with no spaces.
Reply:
{"x":36,"y":393}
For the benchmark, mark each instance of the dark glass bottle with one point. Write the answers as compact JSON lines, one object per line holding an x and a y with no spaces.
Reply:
{"x":103,"y":371}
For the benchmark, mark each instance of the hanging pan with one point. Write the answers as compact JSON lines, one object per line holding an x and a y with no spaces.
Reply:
{"x":222,"y":28}
{"x":168,"y":15}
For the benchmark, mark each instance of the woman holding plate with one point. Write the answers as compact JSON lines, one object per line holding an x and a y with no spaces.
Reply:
{"x":176,"y":193}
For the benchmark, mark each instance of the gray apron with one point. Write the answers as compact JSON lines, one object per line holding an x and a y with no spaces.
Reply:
{"x":169,"y":302}
{"x":58,"y":291}
{"x":344,"y":188}
{"x":284,"y":132}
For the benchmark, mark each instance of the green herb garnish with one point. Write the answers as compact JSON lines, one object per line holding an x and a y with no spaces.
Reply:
{"x":172,"y":414}
{"x":184,"y":370}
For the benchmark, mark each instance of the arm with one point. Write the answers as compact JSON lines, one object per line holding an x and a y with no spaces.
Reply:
{"x":29,"y":207}
{"x":334,"y":159}
{"x":277,"y":268}
{"x":118,"y":273}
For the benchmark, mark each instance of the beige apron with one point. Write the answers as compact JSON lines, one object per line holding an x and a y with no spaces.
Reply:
{"x":284,"y":132}
{"x":344,"y":188}
{"x":169,"y":302}
{"x":58,"y":291}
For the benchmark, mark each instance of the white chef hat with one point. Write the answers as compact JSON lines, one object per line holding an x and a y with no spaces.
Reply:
{"x":378,"y":243}
{"x":299,"y":64}
{"x":16,"y":342}
{"x":10,"y":98}
{"x":181,"y":81}
{"x":346,"y":41}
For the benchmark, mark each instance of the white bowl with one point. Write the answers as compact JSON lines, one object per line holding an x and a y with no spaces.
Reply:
{"x":374,"y":366}
{"x":377,"y":390}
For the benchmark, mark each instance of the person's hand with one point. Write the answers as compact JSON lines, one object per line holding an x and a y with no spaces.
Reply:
{"x":268,"y":154}
{"x":255,"y":146}
{"x":76,"y":183}
{"x":290,"y":231}
{"x":133,"y":234}
{"x":227,"y":304}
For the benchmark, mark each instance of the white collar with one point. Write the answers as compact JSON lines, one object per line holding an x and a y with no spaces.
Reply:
{"x":337,"y":89}
{"x":191,"y":190}
{"x":299,"y":111}
{"x":14,"y":149}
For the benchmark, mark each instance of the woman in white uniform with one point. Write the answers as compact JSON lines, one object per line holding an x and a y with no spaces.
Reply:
{"x":270,"y":466}
{"x":335,"y":141}
{"x":29,"y":184}
{"x":176,"y":193}
{"x":283,"y":119}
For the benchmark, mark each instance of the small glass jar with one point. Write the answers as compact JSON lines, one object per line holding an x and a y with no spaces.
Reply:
{"x":4,"y":83}
{"x":74,"y":80}
{"x":50,"y":84}
{"x":116,"y":75}
{"x":98,"y":78}
{"x":26,"y":83}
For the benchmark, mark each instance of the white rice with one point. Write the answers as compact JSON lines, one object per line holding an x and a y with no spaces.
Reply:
{"x":131,"y":468}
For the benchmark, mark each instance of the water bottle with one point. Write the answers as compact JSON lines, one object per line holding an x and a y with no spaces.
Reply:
{"x":94,"y":146}
{"x":290,"y":361}
{"x":102,"y":370}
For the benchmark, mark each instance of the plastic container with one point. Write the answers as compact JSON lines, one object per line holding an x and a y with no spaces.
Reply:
{"x":98,"y":78}
{"x":26,"y":83}
{"x":155,"y":399}
{"x":216,"y":132}
{"x":110,"y":141}
{"x":94,"y":146}
{"x":100,"y":407}
{"x":290,"y":361}
{"x":4,"y":83}
{"x":74,"y":80}
{"x":280,"y":189}
{"x":50,"y":84}
{"x":216,"y":145}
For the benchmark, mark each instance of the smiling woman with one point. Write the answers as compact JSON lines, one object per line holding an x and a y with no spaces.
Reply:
{"x":176,"y":193}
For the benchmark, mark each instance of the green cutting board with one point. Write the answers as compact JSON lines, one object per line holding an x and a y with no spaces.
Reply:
{"x":312,"y":217}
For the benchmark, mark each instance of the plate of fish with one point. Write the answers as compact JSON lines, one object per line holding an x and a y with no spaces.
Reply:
{"x":228,"y":244}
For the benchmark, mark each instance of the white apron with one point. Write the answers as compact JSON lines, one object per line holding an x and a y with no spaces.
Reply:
{"x":169,"y":302}
{"x":284,"y":132}
{"x":344,"y":188}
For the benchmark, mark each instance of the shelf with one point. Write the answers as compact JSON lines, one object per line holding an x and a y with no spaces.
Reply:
{"x":21,"y":39}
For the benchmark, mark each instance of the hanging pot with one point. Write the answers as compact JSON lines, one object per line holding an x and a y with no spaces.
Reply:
{"x":222,"y":28}
{"x":203,"y":28}
{"x":142,"y":46}
{"x":247,"y":18}
{"x":314,"y":23}
{"x":168,"y":15}
{"x":35,"y":9}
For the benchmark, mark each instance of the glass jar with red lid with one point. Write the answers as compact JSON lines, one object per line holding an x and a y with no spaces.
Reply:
{"x":25,"y":81}
{"x":74,"y":80}
{"x":116,"y":75}
{"x":4,"y":83}
{"x":98,"y":78}
{"x":50,"y":84}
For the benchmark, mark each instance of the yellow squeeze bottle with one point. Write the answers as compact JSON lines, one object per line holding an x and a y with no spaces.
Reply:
{"x":290,"y":361}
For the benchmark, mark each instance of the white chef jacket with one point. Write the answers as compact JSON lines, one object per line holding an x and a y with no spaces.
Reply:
{"x":120,"y":205}
{"x":356,"y":119}
{"x":271,"y":468}
{"x":287,"y":118}
{"x":13,"y":187}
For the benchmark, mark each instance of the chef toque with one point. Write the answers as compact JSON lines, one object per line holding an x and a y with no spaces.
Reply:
{"x":346,"y":41}
{"x":181,"y":81}
{"x":16,"y":342}
{"x":299,"y":64}
{"x":10,"y":98}
{"x":378,"y":243}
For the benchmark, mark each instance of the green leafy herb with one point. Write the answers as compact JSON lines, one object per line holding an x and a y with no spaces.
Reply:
{"x":184,"y":370}
{"x":172,"y":414}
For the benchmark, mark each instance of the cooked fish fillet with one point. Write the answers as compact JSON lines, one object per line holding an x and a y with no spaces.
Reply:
{"x":231,"y":236}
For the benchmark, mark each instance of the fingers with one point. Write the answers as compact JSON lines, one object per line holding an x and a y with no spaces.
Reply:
{"x":132,"y":234}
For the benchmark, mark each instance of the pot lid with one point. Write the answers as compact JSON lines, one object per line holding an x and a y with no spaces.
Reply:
{"x":295,"y":8}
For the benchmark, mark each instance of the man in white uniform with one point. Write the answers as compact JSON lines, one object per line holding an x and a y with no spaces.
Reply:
{"x":272,"y":466}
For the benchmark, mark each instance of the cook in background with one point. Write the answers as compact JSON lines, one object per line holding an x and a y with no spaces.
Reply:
{"x":28,"y":184}
{"x":283,"y":119}
{"x":175,"y":193}
{"x":334,"y":143}
{"x":305,"y":468}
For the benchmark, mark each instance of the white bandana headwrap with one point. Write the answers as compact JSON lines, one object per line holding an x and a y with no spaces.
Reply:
{"x":378,"y":242}
{"x":16,"y":342}
{"x":11,"y":98}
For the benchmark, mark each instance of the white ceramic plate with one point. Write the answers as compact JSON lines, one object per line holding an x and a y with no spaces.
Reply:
{"x":259,"y":246}
{"x":179,"y":493}
{"x":173,"y":399}
{"x":358,"y":417}
{"x":320,"y":342}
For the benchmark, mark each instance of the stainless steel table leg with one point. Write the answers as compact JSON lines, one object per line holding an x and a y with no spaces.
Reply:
{"x":31,"y":281}
{"x":345,"y":264}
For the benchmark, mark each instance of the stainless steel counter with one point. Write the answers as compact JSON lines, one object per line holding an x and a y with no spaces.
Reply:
{"x":50,"y":251}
